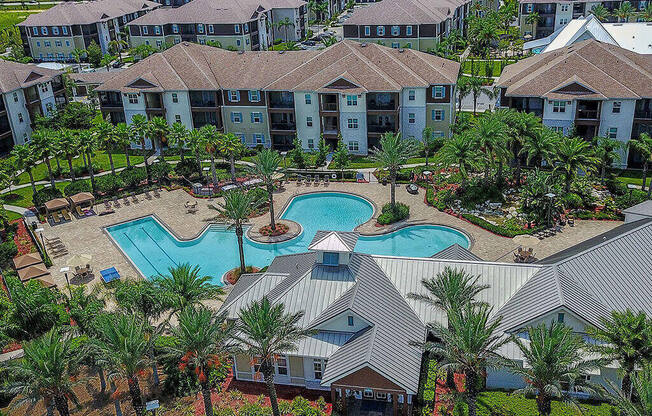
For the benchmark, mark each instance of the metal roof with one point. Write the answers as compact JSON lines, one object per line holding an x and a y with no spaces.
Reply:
{"x":334,"y":241}
{"x":455,"y":252}
{"x":644,"y":208}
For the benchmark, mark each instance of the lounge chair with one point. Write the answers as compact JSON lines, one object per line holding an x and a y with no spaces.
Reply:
{"x":125,"y":200}
{"x":58,"y":254}
{"x":156,"y":193}
{"x":116,"y":203}
{"x":327,"y":179}
{"x":54,"y":245}
{"x":66,"y":215}
{"x":134,"y":198}
{"x":308,"y":179}
{"x":89,"y":269}
{"x":48,"y":239}
{"x":107,"y":205}
{"x":299,"y":179}
{"x":148,"y":196}
{"x":79,"y":211}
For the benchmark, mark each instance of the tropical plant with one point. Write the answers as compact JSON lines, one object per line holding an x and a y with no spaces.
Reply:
{"x":490,"y":135}
{"x":201,"y":341}
{"x":158,"y":129}
{"x":643,"y":145}
{"x":393,"y":153}
{"x":573,"y":154}
{"x":77,"y":55}
{"x":45,"y":372}
{"x":122,"y":137}
{"x":624,"y":12}
{"x":285,"y":24}
{"x":555,"y":364}
{"x":68,"y":142}
{"x":607,"y":152}
{"x":265,"y":165}
{"x":87,"y":145}
{"x":600,"y":12}
{"x":106,"y":61}
{"x":646,"y":14}
{"x":266,"y":332}
{"x":236,"y":208}
{"x":624,"y":337}
{"x":642,"y":387}
{"x":184,"y":285}
{"x":522,"y":127}
{"x":463,"y":89}
{"x":43,"y":146}
{"x":532,"y":19}
{"x":139,"y":128}
{"x":195,"y":141}
{"x":460,"y":151}
{"x":477,"y":87}
{"x":540,"y":146}
{"x":230,"y":146}
{"x":450,"y":290}
{"x":26,"y":161}
{"x":341,"y":158}
{"x":211,"y":140}
{"x":178,"y":135}
{"x":103,"y":132}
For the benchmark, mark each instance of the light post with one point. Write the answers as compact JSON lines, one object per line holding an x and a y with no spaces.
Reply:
{"x":40,"y":231}
{"x":284,"y":154}
{"x":65,"y":271}
{"x":550,"y":196}
{"x":631,"y":188}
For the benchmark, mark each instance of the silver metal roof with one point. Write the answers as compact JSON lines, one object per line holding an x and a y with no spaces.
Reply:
{"x":334,"y":241}
{"x":455,"y":252}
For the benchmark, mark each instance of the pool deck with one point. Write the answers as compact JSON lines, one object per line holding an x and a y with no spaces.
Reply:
{"x":87,"y":235}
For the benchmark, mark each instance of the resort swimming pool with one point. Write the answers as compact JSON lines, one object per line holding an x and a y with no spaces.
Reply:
{"x":153,"y":249}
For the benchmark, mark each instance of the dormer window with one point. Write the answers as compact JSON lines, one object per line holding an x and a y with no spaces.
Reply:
{"x":350,"y":320}
{"x":331,"y":259}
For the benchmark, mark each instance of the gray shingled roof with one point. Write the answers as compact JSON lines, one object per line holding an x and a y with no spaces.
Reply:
{"x":456,"y":252}
{"x":14,"y":75}
{"x":86,"y":12}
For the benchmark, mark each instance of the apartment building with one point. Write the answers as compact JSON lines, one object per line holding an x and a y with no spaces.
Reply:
{"x":235,"y":24}
{"x":589,"y":88}
{"x":415,"y":24}
{"x":26,"y":90}
{"x":53,"y":34}
{"x":353,"y":90}
{"x":555,"y":14}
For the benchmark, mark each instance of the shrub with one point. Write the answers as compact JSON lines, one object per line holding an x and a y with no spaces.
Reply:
{"x":44,"y":195}
{"x":133,"y":176}
{"x":108,"y":184}
{"x":188,"y":168}
{"x":617,"y":187}
{"x":498,"y":403}
{"x":478,"y":192}
{"x":160,"y":170}
{"x":496,"y":229}
{"x":8,"y":251}
{"x":572,"y":200}
{"x":391,"y":215}
{"x":636,"y":197}
{"x":77,"y":187}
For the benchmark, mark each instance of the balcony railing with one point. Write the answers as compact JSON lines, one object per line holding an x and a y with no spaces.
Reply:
{"x":329,"y":106}
{"x":647,"y":114}
{"x":588,"y":114}
{"x":381,"y":128}
{"x":284,"y":126}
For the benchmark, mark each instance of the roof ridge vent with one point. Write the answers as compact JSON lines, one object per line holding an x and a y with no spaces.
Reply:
{"x":401,"y":50}
{"x":240,"y":52}
{"x":363,"y":45}
{"x":281,"y":52}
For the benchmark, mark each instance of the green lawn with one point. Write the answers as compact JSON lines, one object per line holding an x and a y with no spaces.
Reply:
{"x":12,"y":18}
{"x":497,"y":402}
{"x":634,"y":177}
{"x":479,"y":66}
{"x":23,"y":197}
{"x":13,"y":215}
{"x":362,"y":162}
{"x":100,"y":160}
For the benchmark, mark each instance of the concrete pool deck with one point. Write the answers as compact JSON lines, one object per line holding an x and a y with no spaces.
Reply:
{"x":87,"y":235}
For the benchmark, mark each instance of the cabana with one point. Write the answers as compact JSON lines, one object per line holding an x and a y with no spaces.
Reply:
{"x":27,"y":260}
{"x":32,"y":272}
{"x":81,"y":200}
{"x":55,"y":206}
{"x":47,"y":281}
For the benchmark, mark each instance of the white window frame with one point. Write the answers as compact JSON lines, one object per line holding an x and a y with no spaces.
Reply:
{"x":259,"y":138}
{"x":44,"y":87}
{"x":254,"y":96}
{"x":200,"y":28}
{"x":256,"y":117}
{"x":35,"y":30}
{"x":367,"y":30}
{"x":236,"y":28}
{"x":177,"y":118}
{"x":612,"y":132}
{"x":352,"y":123}
{"x":236,"y":117}
{"x":380,"y":30}
{"x":311,"y":143}
{"x":47,"y":43}
{"x":55,"y":30}
{"x":44,"y":30}
{"x":278,"y":366}
{"x":309,"y":122}
{"x":175,"y":97}
{"x":438,"y":115}
{"x":412,"y":95}
{"x":20,"y":117}
{"x":145,"y":30}
{"x":412,"y":118}
{"x":308,"y":99}
{"x":64,"y":30}
{"x":211,"y":29}
{"x":132,"y":98}
{"x":408,"y":30}
{"x":58,"y":43}
{"x":396,"y":45}
{"x":351,"y":100}
{"x":558,"y":106}
{"x":175,"y":28}
{"x":234,"y":96}
{"x":438,"y":133}
{"x":396,"y":30}
{"x":616,"y":107}
{"x":15,"y":97}
{"x":159,"y":44}
{"x":331,"y":255}
{"x":318,"y":368}
{"x":438,"y":91}
{"x":353,"y":146}
{"x":157,"y":30}
{"x":246,"y":28}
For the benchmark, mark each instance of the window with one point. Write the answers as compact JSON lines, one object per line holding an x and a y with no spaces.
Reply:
{"x":202,"y":41}
{"x":60,"y":56}
{"x":234,"y":95}
{"x":564,"y":7}
{"x":256,"y":117}
{"x":331,"y":259}
{"x":200,"y":28}
{"x":351,"y":100}
{"x":124,"y":19}
{"x":612,"y":133}
{"x":411,"y":95}
{"x":350,"y":320}
{"x":259,"y":138}
{"x":211,"y":29}
{"x":438,"y":91}
{"x":438,"y":115}
{"x":35,"y":30}
{"x":396,"y":30}
{"x":20,"y":117}
{"x":319,"y":366}
{"x":558,"y":129}
{"x":44,"y":30}
{"x":308,"y":99}
{"x":38,"y":43}
{"x":44,"y":87}
{"x":529,"y":8}
{"x":559,"y":106}
{"x":354,"y":146}
{"x":247,"y":41}
{"x":236,"y":28}
{"x":381,"y":396}
{"x":159,"y":44}
{"x":145,"y":31}
{"x":311,"y":143}
{"x":175,"y":97}
{"x":616,"y":107}
{"x":55,"y":30}
{"x":238,"y":42}
{"x":177,"y":118}
{"x":133,"y":98}
{"x":177,"y":40}
{"x":246,"y":28}
{"x":67,"y":43}
{"x":563,"y":21}
{"x":438,"y":133}
{"x":175,"y":28}
{"x":408,"y":30}
{"x":157,"y":30}
{"x":57,"y":43}
{"x":309,"y":121}
{"x":380,"y":30}
{"x":282,"y":366}
{"x":47,"y":44}
{"x":411,"y":118}
{"x":560,"y":317}
{"x":15,"y":97}
{"x":352,"y":123}
{"x":64,"y":30}
{"x":236,"y":117}
{"x":367,"y":31}
{"x":396,"y":45}
{"x":254,"y":96}
{"x":368,"y":393}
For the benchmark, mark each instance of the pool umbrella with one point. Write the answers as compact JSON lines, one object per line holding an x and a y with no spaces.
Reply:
{"x":46,"y":281}
{"x":82,"y":198}
{"x":526,"y":240}
{"x":57,"y":204}
{"x":27,"y":260}
{"x":79,"y":260}
{"x":32,"y":272}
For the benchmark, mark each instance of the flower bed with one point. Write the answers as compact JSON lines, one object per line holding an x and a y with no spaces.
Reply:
{"x":233,"y":275}
{"x":268,"y":232}
{"x":22,"y":239}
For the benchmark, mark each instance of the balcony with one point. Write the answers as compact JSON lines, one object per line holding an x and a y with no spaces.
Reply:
{"x":328,"y":102}
{"x":382,"y":102}
{"x":57,"y":85}
{"x":153,"y":101}
{"x":282,"y":121}
{"x":643,"y":109}
{"x":281,"y":99}
{"x":330,"y":125}
{"x":202,"y":118}
{"x":110,"y":99}
{"x":203,"y":99}
{"x":31,"y":95}
{"x":588,"y":110}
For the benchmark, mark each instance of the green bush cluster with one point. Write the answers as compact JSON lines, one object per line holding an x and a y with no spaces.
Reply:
{"x":8,"y":251}
{"x":77,"y":187}
{"x":479,"y":192}
{"x":572,"y":201}
{"x":79,"y":170}
{"x":496,"y":229}
{"x":628,"y":200}
{"x":133,"y":176}
{"x":44,"y":195}
{"x":391,"y":215}
{"x":108,"y":184}
{"x":297,"y":407}
{"x":498,"y":403}
{"x":440,"y":200}
{"x":187,"y":168}
{"x":602,"y":215}
{"x":160,"y":170}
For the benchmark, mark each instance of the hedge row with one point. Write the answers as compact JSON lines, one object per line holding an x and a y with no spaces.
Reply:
{"x":496,"y":229}
{"x":498,"y":403}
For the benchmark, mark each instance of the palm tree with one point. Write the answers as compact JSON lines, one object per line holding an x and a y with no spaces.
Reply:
{"x":606,"y":150}
{"x":477,"y":87}
{"x":265,"y":332}
{"x":643,"y":145}
{"x":78,"y":54}
{"x":122,"y":346}
{"x":285,"y":24}
{"x":178,"y":135}
{"x":463,"y":89}
{"x":469,"y":344}
{"x":426,"y":141}
{"x":393,"y":153}
{"x":26,"y":161}
{"x":116,"y":47}
{"x":45,"y":372}
{"x":139,"y":127}
{"x":184,"y":285}
{"x":88,"y":144}
{"x":103,"y":132}
{"x":43,"y":145}
{"x":231,"y":146}
{"x":624,"y":12}
{"x":460,"y":151}
{"x":532,"y":19}
{"x":646,"y":14}
{"x":237,"y":207}
{"x":600,"y":12}
{"x":265,"y":166}
{"x":555,"y":364}
{"x":68,"y":141}
{"x":341,"y":157}
{"x":624,"y":337}
{"x":522,"y":126}
{"x":158,"y":128}
{"x":122,"y":136}
{"x":642,"y":386}
{"x":196,"y":144}
{"x":201,"y":341}
{"x":573,"y":154}
{"x":540,"y":146}
{"x":211,"y":139}
{"x":490,"y":135}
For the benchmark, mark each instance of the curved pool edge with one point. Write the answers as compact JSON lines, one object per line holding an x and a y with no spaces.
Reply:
{"x":401,"y":226}
{"x":287,"y":204}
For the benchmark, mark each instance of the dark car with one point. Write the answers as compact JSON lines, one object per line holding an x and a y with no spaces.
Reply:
{"x":117,"y":64}
{"x":309,"y":42}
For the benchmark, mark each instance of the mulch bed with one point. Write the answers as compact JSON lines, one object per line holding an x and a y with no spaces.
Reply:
{"x":232,"y":275}
{"x":268,"y":232}
{"x":22,"y":239}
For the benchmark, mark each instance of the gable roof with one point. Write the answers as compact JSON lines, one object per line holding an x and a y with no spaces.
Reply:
{"x":14,"y":75}
{"x":609,"y":71}
{"x":404,"y":12}
{"x":189,"y":66}
{"x":86,"y":12}
{"x":203,"y":11}
{"x":334,"y":241}
{"x":455,"y":252}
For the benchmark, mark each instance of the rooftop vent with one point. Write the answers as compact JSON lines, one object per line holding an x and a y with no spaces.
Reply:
{"x":240,"y":52}
{"x":363,"y":45}
{"x":401,"y":50}
{"x":281,"y":52}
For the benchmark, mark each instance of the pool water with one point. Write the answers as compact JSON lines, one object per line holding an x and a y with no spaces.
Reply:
{"x":153,"y":249}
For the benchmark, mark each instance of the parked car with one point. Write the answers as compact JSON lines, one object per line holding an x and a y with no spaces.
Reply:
{"x":309,"y":42}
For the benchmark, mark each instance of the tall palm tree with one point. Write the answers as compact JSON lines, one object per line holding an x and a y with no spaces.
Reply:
{"x":469,"y":344}
{"x":45,"y":372}
{"x":158,"y":129}
{"x":122,"y":347}
{"x":624,"y":12}
{"x":555,"y":364}
{"x":201,"y":341}
{"x":104,"y":136}
{"x":236,"y":208}
{"x":78,"y":54}
{"x":197,"y":146}
{"x":490,"y":135}
{"x":265,"y":165}
{"x":393,"y":153}
{"x":477,"y":87}
{"x":184,"y":285}
{"x":123,"y":136}
{"x":427,"y":141}
{"x":532,"y":19}
{"x":625,"y":337}
{"x":230,"y":146}
{"x":540,"y":146}
{"x":460,"y":151}
{"x":140,"y":127}
{"x":88,"y":144}
{"x":43,"y":145}
{"x":69,"y":142}
{"x":643,"y":145}
{"x":463,"y":88}
{"x":573,"y":154}
{"x":642,"y":386}
{"x":606,"y":150}
{"x":600,"y":12}
{"x":210,"y":138}
{"x":522,"y":126}
{"x":646,"y":14}
{"x":266,"y":332}
{"x":178,"y":135}
{"x":285,"y":24}
{"x":26,"y":161}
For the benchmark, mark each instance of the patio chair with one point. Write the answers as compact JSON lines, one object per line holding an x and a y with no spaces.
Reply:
{"x":327,"y":179}
{"x":299,"y":179}
{"x":66,"y":215}
{"x":148,"y":196}
{"x":107,"y":205}
{"x":156,"y":193}
{"x":116,"y":203}
{"x":79,"y":211}
{"x":55,"y":220}
{"x":125,"y":200}
{"x":58,"y":254}
{"x":54,"y":244}
{"x":308,"y":179}
{"x":48,"y":239}
{"x":77,"y":270}
{"x":134,"y":198}
{"x":89,"y":268}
